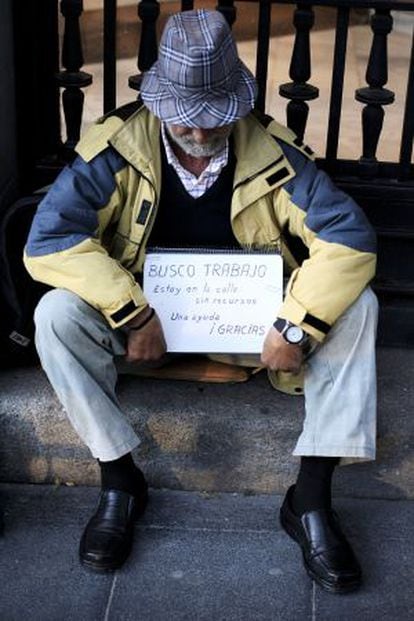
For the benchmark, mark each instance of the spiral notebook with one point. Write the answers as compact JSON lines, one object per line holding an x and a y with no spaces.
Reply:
{"x":214,"y":300}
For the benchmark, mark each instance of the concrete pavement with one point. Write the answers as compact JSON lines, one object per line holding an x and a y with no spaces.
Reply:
{"x":198,"y":557}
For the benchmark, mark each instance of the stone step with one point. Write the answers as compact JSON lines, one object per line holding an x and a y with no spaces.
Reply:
{"x":205,"y":437}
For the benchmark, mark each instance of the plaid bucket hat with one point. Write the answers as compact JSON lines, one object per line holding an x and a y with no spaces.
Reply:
{"x":198,"y":80}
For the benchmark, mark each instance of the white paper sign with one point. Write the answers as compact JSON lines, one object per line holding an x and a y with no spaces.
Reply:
{"x":214,"y":302}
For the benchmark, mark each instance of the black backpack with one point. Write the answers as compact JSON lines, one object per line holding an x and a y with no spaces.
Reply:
{"x":19,"y":293}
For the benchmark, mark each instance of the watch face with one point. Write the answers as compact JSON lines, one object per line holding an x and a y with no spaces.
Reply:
{"x":294,"y":334}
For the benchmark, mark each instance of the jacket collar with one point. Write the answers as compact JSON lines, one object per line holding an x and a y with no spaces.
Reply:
{"x":256,"y":150}
{"x":261,"y":163}
{"x":138,"y":142}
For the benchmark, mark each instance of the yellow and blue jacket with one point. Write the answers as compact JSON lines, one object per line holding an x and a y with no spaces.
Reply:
{"x":90,"y":231}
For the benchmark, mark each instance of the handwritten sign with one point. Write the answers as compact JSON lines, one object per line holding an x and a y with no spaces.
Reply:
{"x":214,"y":302}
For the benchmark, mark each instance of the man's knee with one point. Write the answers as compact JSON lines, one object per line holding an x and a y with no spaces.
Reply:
{"x":58,"y":310}
{"x":365,"y":309}
{"x":358,"y":323}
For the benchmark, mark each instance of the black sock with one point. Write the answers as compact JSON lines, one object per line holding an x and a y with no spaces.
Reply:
{"x":122,"y":474}
{"x":313,"y":485}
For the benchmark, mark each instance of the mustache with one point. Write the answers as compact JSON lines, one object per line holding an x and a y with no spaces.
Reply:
{"x":211,"y":147}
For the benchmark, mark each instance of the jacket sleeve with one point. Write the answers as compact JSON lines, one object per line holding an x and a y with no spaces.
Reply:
{"x":341,"y":244}
{"x":64,"y":248}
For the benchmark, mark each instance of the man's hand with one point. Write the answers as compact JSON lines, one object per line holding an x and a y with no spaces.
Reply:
{"x":277,"y":354}
{"x":147,"y":344}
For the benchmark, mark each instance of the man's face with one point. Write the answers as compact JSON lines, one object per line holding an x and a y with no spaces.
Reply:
{"x":200,"y":142}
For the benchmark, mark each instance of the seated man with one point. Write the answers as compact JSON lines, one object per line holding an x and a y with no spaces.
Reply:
{"x":191,"y":165}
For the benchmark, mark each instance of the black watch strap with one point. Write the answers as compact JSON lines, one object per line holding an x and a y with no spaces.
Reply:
{"x":280,"y":324}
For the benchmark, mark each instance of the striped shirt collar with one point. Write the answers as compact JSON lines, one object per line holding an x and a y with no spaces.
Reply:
{"x":196,"y":186}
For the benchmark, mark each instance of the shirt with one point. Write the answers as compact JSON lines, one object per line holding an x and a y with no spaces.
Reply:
{"x":196,"y":186}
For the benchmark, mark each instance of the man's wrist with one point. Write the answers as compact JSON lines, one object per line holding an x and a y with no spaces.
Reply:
{"x":292,"y":334}
{"x":141,"y":319}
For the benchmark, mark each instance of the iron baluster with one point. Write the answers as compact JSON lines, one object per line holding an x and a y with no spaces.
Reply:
{"x":298,"y":91}
{"x":262,"y":59}
{"x":338,"y":72}
{"x":227,"y":8}
{"x":109,"y":59}
{"x":375,"y":96}
{"x":148,"y":12}
{"x":71,"y":79}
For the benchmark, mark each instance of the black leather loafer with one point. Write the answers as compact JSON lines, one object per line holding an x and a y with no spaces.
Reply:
{"x":107,"y":539}
{"x":327,"y":555}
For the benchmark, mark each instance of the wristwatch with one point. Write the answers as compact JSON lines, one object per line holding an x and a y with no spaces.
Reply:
{"x":291,"y":333}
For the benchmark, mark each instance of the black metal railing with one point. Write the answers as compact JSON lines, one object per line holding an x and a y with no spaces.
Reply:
{"x":71,"y":78}
{"x":374,"y":96}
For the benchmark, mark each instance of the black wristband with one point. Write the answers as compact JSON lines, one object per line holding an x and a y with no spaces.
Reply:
{"x":146,"y":320}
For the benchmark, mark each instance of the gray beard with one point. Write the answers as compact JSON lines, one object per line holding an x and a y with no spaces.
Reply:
{"x":208,"y":149}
